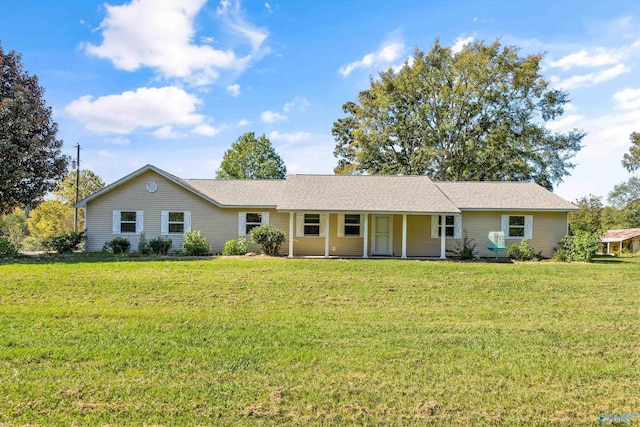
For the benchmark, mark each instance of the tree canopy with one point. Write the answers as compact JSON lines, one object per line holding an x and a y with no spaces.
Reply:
{"x":251,"y":158}
{"x":56,"y":216}
{"x":476,"y":114}
{"x":589,"y":217}
{"x":32,"y":163}
{"x":631,"y":160}
{"x":625,"y":193}
{"x":65,"y":192}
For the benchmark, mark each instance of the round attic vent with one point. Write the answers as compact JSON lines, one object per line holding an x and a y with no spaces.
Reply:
{"x":152,"y":186}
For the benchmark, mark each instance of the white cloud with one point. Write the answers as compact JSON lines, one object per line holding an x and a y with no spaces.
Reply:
{"x":288,"y":137}
{"x":593,"y":78}
{"x":244,"y":122}
{"x":460,"y":43}
{"x":118,"y":140}
{"x":106,"y":153}
{"x":130,"y":110}
{"x":166,"y":132}
{"x":627,"y":98}
{"x":584,"y":58}
{"x":159,"y":35}
{"x":298,"y":102}
{"x":233,"y":19}
{"x":565,"y":123}
{"x":268,"y":7}
{"x":595,"y":57}
{"x":206,"y":130}
{"x":409,"y":62}
{"x":390,"y":50}
{"x":233,"y":90}
{"x":271,"y":116}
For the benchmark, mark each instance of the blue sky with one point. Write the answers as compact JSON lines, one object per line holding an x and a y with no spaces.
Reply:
{"x":173,"y":83}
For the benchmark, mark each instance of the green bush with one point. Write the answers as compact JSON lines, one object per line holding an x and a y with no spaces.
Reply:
{"x":523,"y":252}
{"x":195,"y":244}
{"x":581,"y":246}
{"x":30,"y":243}
{"x":7,"y":248}
{"x":160,"y":245}
{"x":143,"y":245}
{"x":236,"y":247}
{"x":269,"y":237}
{"x":67,"y":242}
{"x":119,"y":245}
{"x":465,"y":250}
{"x":560,"y":254}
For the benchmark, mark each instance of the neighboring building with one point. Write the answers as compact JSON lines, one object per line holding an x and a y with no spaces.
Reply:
{"x":328,"y":215}
{"x":617,"y":241}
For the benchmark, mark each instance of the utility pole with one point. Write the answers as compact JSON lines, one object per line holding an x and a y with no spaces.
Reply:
{"x":75,"y":216}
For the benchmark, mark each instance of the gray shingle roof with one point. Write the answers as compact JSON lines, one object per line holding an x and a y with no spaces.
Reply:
{"x":503,"y":196}
{"x":247,"y":192}
{"x":377,"y":193}
{"x":364,"y":193}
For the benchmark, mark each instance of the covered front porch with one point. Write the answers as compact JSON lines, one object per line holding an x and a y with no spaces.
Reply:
{"x":370,"y":234}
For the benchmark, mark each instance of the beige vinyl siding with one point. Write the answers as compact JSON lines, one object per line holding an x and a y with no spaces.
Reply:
{"x":548,"y":229}
{"x":217,"y":225}
{"x":419,"y":241}
{"x":348,"y":246}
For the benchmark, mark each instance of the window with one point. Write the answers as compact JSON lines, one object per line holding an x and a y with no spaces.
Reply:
{"x":349,"y":225}
{"x":452,"y":226}
{"x":311,"y":224}
{"x":127,"y":222}
{"x":250,"y":220}
{"x":175,"y":222}
{"x":449,"y":224}
{"x":517,"y":226}
{"x":253,"y":220}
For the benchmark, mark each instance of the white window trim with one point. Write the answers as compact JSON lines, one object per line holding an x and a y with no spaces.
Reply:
{"x":164,"y":223}
{"x":342,"y":224}
{"x":457,"y":226}
{"x":116,"y":224}
{"x":242,"y":221}
{"x":528,"y":227}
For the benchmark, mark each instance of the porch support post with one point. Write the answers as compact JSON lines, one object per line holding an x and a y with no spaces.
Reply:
{"x":608,"y":248}
{"x":443,"y":221}
{"x":326,"y":236}
{"x":404,"y":236}
{"x":365,"y":244}
{"x":291,"y":234}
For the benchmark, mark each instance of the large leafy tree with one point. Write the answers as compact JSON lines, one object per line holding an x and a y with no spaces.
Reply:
{"x":56,"y":216}
{"x":631,"y":160}
{"x":589,"y":217}
{"x":477,"y":114}
{"x":89,"y":184}
{"x":625,"y":193}
{"x":32,"y":162}
{"x":13,"y":225}
{"x":251,"y":158}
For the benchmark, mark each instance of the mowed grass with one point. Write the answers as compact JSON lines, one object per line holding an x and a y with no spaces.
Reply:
{"x":258,"y":341}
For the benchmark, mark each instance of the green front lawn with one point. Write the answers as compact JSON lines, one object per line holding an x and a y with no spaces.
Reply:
{"x":262,"y":341}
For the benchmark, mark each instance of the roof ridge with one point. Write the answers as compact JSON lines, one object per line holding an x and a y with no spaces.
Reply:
{"x":234,"y":180}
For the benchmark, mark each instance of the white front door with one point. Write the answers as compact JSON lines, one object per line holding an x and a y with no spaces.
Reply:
{"x":382,"y":235}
